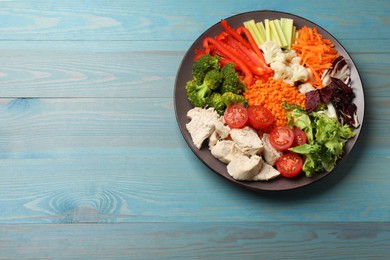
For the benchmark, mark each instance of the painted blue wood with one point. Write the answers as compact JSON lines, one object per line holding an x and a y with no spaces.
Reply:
{"x":172,"y":20}
{"x":194,"y":240}
{"x":93,"y":165}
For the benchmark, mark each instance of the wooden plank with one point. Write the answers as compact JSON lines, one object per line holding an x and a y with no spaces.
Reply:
{"x":123,"y":72}
{"x":135,"y":20}
{"x":255,"y":240}
{"x":85,"y":127}
{"x":145,"y":188}
{"x":93,"y":73}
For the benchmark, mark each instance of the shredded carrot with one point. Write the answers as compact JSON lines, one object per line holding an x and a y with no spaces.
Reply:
{"x":317,"y":54}
{"x":271,"y":94}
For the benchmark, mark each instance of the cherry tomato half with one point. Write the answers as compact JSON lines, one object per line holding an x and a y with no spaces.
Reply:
{"x":289,"y":164}
{"x":236,"y":116}
{"x":260,"y":117}
{"x":281,"y":137}
{"x":299,"y":137}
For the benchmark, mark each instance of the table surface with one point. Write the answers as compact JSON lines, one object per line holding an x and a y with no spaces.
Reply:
{"x":93,"y":164}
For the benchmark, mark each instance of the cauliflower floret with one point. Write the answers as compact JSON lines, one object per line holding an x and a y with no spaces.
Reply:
{"x":271,"y":50}
{"x":298,"y":73}
{"x":305,"y":87}
{"x":285,"y":64}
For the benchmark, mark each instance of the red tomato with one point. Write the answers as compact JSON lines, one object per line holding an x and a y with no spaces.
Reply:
{"x":289,"y":164}
{"x":236,"y":116}
{"x":299,"y":137}
{"x":281,"y":137}
{"x":260,"y":117}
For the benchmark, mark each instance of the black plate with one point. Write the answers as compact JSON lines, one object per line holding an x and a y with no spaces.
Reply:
{"x":182,"y":105}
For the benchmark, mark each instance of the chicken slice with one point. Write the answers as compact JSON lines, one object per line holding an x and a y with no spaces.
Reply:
{"x":248,"y":140}
{"x":267,"y":172}
{"x":199,"y":130}
{"x":245,"y":168}
{"x":213,"y":139}
{"x":203,"y":123}
{"x":270,"y":154}
{"x":225,"y":151}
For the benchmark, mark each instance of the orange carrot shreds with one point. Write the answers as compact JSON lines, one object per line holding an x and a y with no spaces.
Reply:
{"x":271,"y":94}
{"x":317,"y":54}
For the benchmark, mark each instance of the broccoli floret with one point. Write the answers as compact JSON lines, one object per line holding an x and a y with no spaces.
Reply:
{"x":215,"y":101}
{"x":213,"y":79}
{"x":203,"y":65}
{"x":197,"y":96}
{"x":229,"y":98}
{"x":231,"y":80}
{"x":198,"y":93}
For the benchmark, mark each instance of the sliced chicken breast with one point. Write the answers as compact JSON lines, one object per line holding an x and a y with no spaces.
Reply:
{"x":245,"y":168}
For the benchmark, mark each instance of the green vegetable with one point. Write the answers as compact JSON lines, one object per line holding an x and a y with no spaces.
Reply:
{"x":282,"y":31}
{"x":231,"y":81}
{"x":288,"y":29}
{"x":326,"y":140}
{"x":215,"y":101}
{"x":230,"y":98}
{"x":212,"y":86}
{"x":302,"y":121}
{"x":203,"y":65}
{"x":199,"y":93}
{"x":278,"y":34}
{"x":257,"y":33}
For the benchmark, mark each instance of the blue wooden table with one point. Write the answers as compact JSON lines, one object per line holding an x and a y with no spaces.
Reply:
{"x":93,"y":164}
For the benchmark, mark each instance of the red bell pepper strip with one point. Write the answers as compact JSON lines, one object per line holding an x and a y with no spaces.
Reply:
{"x":230,"y":30}
{"x":199,"y":53}
{"x":249,"y":43}
{"x":252,"y":42}
{"x":248,"y":55}
{"x":210,"y":42}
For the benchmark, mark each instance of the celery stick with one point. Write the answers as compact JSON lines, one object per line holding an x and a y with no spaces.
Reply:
{"x":282,"y":38}
{"x":267,"y":30}
{"x":261,"y":29}
{"x":294,"y":34}
{"x":248,"y":26}
{"x":287,"y":28}
{"x":274,"y":33}
{"x":251,"y":26}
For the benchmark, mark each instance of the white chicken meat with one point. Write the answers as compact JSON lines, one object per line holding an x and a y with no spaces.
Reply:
{"x":248,"y":140}
{"x":245,"y":168}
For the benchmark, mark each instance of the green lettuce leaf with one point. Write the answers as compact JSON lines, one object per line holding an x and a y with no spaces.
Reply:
{"x":326,"y":140}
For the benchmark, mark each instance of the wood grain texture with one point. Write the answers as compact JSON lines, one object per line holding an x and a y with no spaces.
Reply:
{"x":197,"y":241}
{"x":93,"y":164}
{"x":137,"y":20}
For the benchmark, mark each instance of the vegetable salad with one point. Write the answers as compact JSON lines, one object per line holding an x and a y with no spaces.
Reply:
{"x":279,"y":80}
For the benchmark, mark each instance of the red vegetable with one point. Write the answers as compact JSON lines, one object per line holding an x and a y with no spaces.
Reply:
{"x":227,"y":52}
{"x":230,"y":30}
{"x":281,"y":137}
{"x":299,"y":137}
{"x":247,"y":55}
{"x":260,"y":117}
{"x":255,"y":47}
{"x":236,"y":116}
{"x":232,"y":47}
{"x":289,"y":164}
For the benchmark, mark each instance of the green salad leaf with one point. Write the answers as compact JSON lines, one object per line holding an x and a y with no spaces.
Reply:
{"x":326,"y":139}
